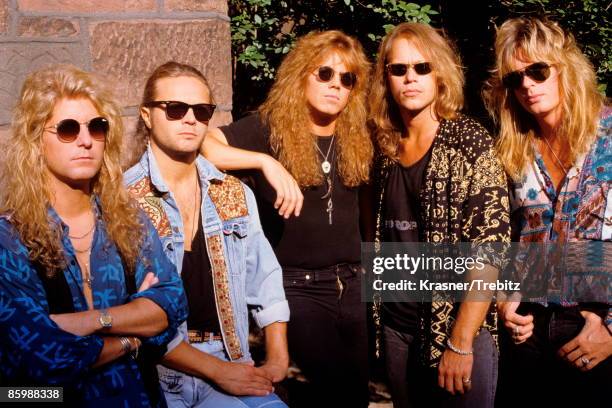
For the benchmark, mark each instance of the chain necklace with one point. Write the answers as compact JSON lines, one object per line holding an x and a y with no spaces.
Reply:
{"x":329,"y":178}
{"x":82,"y":251}
{"x":555,"y":156}
{"x":86,"y":272}
{"x":325,"y":164}
{"x":88,"y":277}
{"x":93,"y":225}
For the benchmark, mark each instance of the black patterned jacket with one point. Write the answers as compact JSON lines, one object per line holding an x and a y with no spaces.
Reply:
{"x":464,"y":198}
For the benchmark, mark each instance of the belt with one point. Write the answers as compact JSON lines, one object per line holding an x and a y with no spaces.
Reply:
{"x":339,"y":274}
{"x":199,"y":336}
{"x":343,"y":270}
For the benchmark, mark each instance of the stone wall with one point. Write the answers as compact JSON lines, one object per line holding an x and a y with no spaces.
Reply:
{"x":123,"y":40}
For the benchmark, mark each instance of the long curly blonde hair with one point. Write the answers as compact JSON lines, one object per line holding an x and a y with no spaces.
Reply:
{"x":539,"y":40}
{"x":26,"y":196}
{"x":286,"y":111}
{"x":441,"y":54}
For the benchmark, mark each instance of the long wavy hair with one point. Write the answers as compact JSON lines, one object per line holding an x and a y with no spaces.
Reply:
{"x":539,"y":40}
{"x":26,"y":196}
{"x":385,"y":119}
{"x":286,"y":111}
{"x":170,"y":69}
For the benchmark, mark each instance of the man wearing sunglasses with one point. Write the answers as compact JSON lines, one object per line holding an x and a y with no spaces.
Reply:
{"x":556,"y":145}
{"x":72,"y":245}
{"x":68,"y":130}
{"x":314,"y":122}
{"x":437,"y":181}
{"x":209,"y":227}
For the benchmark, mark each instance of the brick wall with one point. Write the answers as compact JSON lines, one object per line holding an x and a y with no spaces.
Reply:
{"x":124,"y":40}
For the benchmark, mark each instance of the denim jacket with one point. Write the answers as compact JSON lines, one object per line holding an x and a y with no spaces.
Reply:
{"x":244,"y":267}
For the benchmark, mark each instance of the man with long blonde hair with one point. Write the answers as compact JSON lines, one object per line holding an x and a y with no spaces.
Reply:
{"x":313,"y":123}
{"x":74,"y":248}
{"x":555,"y":143}
{"x":437,"y":181}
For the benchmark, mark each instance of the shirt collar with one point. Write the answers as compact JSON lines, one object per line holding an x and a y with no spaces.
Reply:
{"x":56,"y":218}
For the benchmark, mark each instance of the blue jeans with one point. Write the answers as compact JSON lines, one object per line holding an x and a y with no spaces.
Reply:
{"x":182,"y":390}
{"x":413,"y":385}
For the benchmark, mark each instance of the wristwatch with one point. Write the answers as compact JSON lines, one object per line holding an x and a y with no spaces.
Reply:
{"x":105,"y":319}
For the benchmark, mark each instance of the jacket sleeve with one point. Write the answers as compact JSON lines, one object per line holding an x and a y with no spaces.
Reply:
{"x":168,"y":293}
{"x":32,"y":346}
{"x":486,"y":212}
{"x":264,"y":279}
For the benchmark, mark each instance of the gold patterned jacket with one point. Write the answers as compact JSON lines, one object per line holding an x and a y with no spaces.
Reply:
{"x":464,"y":198}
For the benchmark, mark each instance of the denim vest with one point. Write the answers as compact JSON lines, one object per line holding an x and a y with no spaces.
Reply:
{"x":244,"y":268}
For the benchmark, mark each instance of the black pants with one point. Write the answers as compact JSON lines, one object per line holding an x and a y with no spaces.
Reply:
{"x":327,"y":335}
{"x":532,"y":375}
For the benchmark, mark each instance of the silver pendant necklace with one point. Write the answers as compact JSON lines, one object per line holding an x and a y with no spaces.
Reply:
{"x":329,"y":179}
{"x":88,"y":277}
{"x":325,"y":164}
{"x":86,"y":272}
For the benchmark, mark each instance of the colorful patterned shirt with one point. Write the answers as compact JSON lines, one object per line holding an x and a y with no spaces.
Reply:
{"x":580,"y":212}
{"x":35,"y":350}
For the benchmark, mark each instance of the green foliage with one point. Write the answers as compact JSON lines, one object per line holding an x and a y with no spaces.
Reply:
{"x":264,"y":30}
{"x":395,"y":12}
{"x":258,"y":35}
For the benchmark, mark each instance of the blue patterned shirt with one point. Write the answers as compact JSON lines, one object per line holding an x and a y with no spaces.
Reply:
{"x":580,"y":212}
{"x":33,"y":348}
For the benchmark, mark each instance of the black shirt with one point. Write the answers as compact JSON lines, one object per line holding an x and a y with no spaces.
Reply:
{"x":198,"y":283}
{"x":307,"y":241}
{"x":401,"y":222}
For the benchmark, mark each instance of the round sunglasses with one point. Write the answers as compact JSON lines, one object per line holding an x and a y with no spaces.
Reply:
{"x":67,"y":130}
{"x":326,"y":74}
{"x":397,"y":69}
{"x":539,"y":72}
{"x":176,"y":110}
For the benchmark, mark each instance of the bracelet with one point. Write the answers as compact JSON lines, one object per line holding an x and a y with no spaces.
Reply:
{"x":135,"y":350}
{"x":454,"y":349}
{"x":126,"y":346}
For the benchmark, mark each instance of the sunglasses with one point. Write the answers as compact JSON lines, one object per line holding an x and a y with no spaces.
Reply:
{"x":68,"y":130}
{"x":177,"y":110}
{"x":539,"y":72}
{"x":421,"y":68}
{"x":326,"y":74}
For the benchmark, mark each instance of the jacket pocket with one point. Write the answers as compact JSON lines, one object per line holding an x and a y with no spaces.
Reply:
{"x":234,"y":237}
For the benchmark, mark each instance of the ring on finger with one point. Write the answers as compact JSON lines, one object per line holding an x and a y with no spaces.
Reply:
{"x":467,"y":381}
{"x":585,"y":361}
{"x":516,"y":332}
